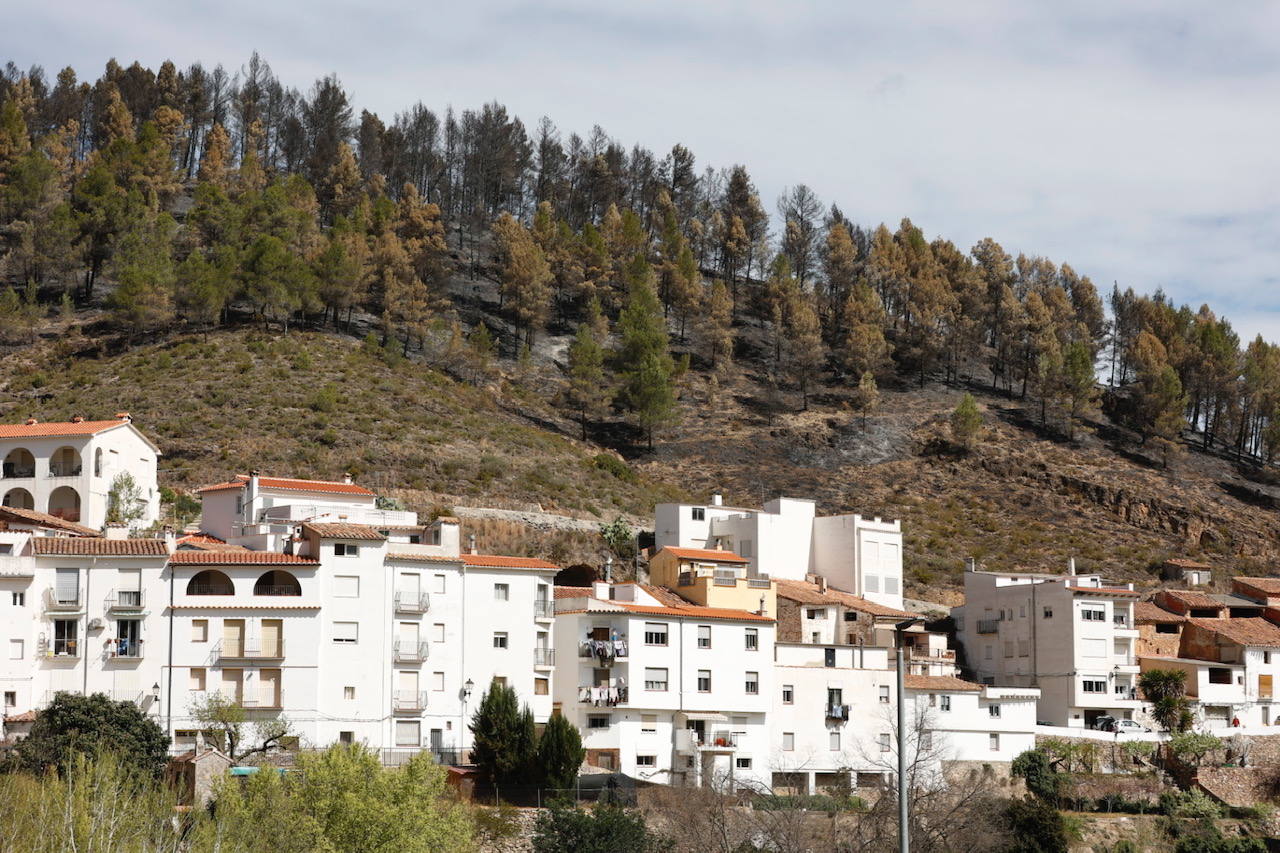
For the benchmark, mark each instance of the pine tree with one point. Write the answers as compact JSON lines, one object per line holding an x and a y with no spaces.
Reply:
{"x":719,"y":327}
{"x":215,"y":160}
{"x":867,"y":396}
{"x":560,"y":753}
{"x":144,"y":271}
{"x":1078,"y":384}
{"x":806,"y":356}
{"x":863,"y":347}
{"x":526,"y":276}
{"x":588,"y":391}
{"x":643,"y":359}
{"x":966,"y":422}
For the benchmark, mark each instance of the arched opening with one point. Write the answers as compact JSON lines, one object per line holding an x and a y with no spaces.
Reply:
{"x":277,"y":582}
{"x":210,"y":582}
{"x":97,"y":462}
{"x":65,"y":462}
{"x":19,"y":463}
{"x":19,"y":499}
{"x":64,"y":503}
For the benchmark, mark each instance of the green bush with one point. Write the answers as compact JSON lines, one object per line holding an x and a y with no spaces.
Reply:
{"x":611,"y":464}
{"x":604,"y":829}
{"x":324,"y":399}
{"x":809,"y":802}
{"x":1194,"y":804}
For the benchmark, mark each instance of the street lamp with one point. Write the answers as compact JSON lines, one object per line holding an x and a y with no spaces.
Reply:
{"x":466,"y":696}
{"x":904,"y":836}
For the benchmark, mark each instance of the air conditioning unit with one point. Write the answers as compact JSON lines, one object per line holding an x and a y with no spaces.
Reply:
{"x":95,"y":624}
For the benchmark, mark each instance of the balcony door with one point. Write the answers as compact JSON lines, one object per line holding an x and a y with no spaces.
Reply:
{"x":407,"y":688}
{"x":233,"y":685}
{"x":272,"y":638}
{"x":269,"y":688}
{"x":129,"y":637}
{"x":232,"y":637}
{"x":1264,"y":687}
{"x":409,"y":637}
{"x":410,"y":587}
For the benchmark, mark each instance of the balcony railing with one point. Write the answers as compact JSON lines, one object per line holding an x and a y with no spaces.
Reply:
{"x":267,"y":702}
{"x":1120,"y":620}
{"x":401,"y":756}
{"x":17,"y":472}
{"x":408,"y":701}
{"x":64,"y":470}
{"x":605,"y":651}
{"x":275,"y":589}
{"x":61,"y":603}
{"x":544,"y":608}
{"x":715,"y":740}
{"x":412,"y":602}
{"x":988,"y":626}
{"x":410,"y":651}
{"x":544,"y":656}
{"x":124,"y":599}
{"x":759,"y":583}
{"x":124,"y":648}
{"x":64,"y":649}
{"x":602,"y":697}
{"x":837,"y":712}
{"x":238,"y":650}
{"x":927,"y":654}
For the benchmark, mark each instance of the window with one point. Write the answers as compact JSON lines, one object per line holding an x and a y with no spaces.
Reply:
{"x":944,"y":703}
{"x":437,"y":681}
{"x":1048,"y":613}
{"x":1008,"y":648}
{"x":346,"y":738}
{"x":19,"y":599}
{"x":199,"y":630}
{"x":788,"y":741}
{"x":704,"y":681}
{"x":1266,"y":657}
{"x":986,"y":652}
{"x":753,"y":683}
{"x":993,"y":711}
{"x":349,"y":692}
{"x":499,"y":639}
{"x":753,"y":639}
{"x":502,"y":592}
{"x":346,"y":632}
{"x":744,"y":547}
{"x":1219,"y":675}
{"x":408,"y":733}
{"x":833,"y":741}
{"x":815,"y":637}
{"x":829,"y":657}
{"x":648,"y":724}
{"x":1093,"y":614}
{"x":342,"y":549}
{"x":1093,"y":686}
{"x":788,"y":694}
{"x":439,"y":583}
{"x":500,"y":680}
{"x":1166,"y":629}
{"x":197,"y":679}
{"x":933,"y":700}
{"x":438,"y":632}
{"x":993,"y":740}
{"x":66,"y":637}
{"x":704,"y":636}
{"x":655,"y":634}
{"x":816,"y":613}
{"x":598,"y":721}
{"x":1022,"y":611}
{"x":655,"y":678}
{"x":346,"y":586}
{"x":541,"y":686}
{"x":743,"y":763}
{"x":15,"y":649}
{"x":884,"y":694}
{"x":646,"y":761}
{"x":11,"y":698}
{"x":885,"y":742}
{"x":698,"y":513}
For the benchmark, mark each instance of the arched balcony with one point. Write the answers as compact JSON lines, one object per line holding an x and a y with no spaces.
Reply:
{"x":210,"y":582}
{"x":19,"y":499}
{"x":65,"y":462}
{"x":64,"y":503}
{"x":19,"y":463}
{"x":277,"y":582}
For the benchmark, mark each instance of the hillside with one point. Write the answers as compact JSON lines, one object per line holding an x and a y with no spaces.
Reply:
{"x":317,"y":403}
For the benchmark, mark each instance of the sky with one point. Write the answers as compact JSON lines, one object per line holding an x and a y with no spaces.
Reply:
{"x":1135,"y":141}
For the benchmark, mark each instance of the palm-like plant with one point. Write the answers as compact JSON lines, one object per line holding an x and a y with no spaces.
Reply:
{"x":1166,"y":690}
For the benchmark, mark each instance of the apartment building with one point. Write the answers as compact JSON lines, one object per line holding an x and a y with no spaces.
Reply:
{"x":664,"y":689}
{"x":66,"y":469}
{"x":788,"y":540}
{"x":1073,"y":636}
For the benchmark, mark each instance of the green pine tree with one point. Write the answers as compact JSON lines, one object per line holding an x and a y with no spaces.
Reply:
{"x":643,"y":359}
{"x":560,"y":753}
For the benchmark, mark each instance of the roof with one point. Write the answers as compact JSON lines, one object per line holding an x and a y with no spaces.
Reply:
{"x":496,"y":561}
{"x":1270,"y":586}
{"x":43,"y":519}
{"x":84,"y":546}
{"x":24,"y":717}
{"x":571,"y":592}
{"x":939,"y":683}
{"x":1102,"y":590}
{"x":238,"y":558}
{"x":1191,"y":598}
{"x":690,"y":610}
{"x":710,"y":554}
{"x":810,"y":593}
{"x":205,"y":542}
{"x":343,"y":530}
{"x":290,"y":484}
{"x":1184,"y":563}
{"x":1146,"y":611}
{"x":1247,"y":631}
{"x":57,"y":428}
{"x":665,"y":596}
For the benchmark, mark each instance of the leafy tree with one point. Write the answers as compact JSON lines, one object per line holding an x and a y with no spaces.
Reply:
{"x":73,"y":725}
{"x":125,"y":501}
{"x":605,"y":829}
{"x":1035,"y":767}
{"x":1035,"y":825}
{"x":966,"y":421}
{"x":229,"y":725}
{"x":504,"y":743}
{"x":1166,"y":690}
{"x":620,"y":538}
{"x":560,"y":753}
{"x":1192,"y":747}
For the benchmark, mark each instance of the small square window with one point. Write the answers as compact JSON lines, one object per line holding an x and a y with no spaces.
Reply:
{"x":349,"y":692}
{"x":499,"y":639}
{"x":541,"y":686}
{"x":347,"y":633}
{"x":16,"y":649}
{"x":698,"y":513}
{"x":993,"y":711}
{"x":655,"y":678}
{"x":342,"y":549}
{"x":199,"y":630}
{"x":752,"y":639}
{"x":501,"y":592}
{"x":704,"y":636}
{"x":944,"y":703}
{"x":788,"y":694}
{"x":439,"y":583}
{"x":646,"y":761}
{"x":1048,"y":613}
{"x":19,"y":599}
{"x":438,"y":632}
{"x":598,"y":721}
{"x":346,"y":738}
{"x":704,"y":681}
{"x":648,"y":724}
{"x":885,"y":742}
{"x":437,"y":681}
{"x":753,"y":683}
{"x":788,"y":741}
{"x":197,"y":679}
{"x":11,"y":698}
{"x":884,"y":694}
{"x":743,"y":763}
{"x":993,"y":741}
{"x":833,"y":741}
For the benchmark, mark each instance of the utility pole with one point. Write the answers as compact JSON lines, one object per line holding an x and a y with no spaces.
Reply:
{"x":904,"y":832}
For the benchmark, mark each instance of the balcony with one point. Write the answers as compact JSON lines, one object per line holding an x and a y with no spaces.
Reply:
{"x":759,"y":583}
{"x":64,"y":470}
{"x":413,"y":602}
{"x":125,"y":649}
{"x":988,"y":626}
{"x":544,"y":608}
{"x":543,"y":657}
{"x":409,"y":701}
{"x":65,"y":603}
{"x":18,"y":472}
{"x":264,"y":702}
{"x":604,"y":651}
{"x":690,"y":740}
{"x":238,"y":650}
{"x":124,"y":600}
{"x":602,"y":697}
{"x":915,"y":653}
{"x":410,"y":651}
{"x":837,"y":712}
{"x":400,"y":756}
{"x":64,"y":649}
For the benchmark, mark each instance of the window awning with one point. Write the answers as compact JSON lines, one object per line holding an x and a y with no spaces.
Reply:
{"x":705,"y":716}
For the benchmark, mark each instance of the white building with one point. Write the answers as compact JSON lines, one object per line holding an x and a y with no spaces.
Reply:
{"x":1073,"y":636}
{"x":665,"y":690}
{"x":788,"y":540}
{"x":67,"y":469}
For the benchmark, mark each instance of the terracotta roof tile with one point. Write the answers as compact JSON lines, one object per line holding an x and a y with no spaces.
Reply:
{"x":1146,"y":611}
{"x":1248,"y":631}
{"x":43,"y":519}
{"x":694,"y":610}
{"x":939,"y":683}
{"x":1184,"y":563}
{"x":24,"y":717}
{"x":290,"y":484}
{"x":343,"y":530}
{"x":666,"y":596}
{"x":1269,"y":586}
{"x":84,"y":546}
{"x":422,"y":558}
{"x":43,"y":430}
{"x":708,"y":554}
{"x":571,"y":592}
{"x":1191,"y":598}
{"x":496,"y":561}
{"x":809,"y":593}
{"x":238,"y":558}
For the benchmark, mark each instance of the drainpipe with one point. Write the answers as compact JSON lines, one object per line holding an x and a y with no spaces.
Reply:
{"x":462,"y":651}
{"x":168,"y":702}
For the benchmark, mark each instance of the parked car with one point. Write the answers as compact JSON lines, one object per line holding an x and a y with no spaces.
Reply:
{"x":1124,"y":727}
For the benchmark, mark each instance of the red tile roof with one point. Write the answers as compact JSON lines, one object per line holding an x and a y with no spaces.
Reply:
{"x":711,"y":555}
{"x":571,"y":592}
{"x":1190,"y":598}
{"x":52,"y":429}
{"x":497,"y":561}
{"x":1269,"y":586}
{"x":200,"y":539}
{"x":1184,"y":563}
{"x":693,"y":610}
{"x":343,"y":530}
{"x":238,"y":558}
{"x":939,"y":683}
{"x":1247,"y":631}
{"x":809,"y":593}
{"x":1146,"y":611}
{"x":84,"y":546}
{"x":43,"y":519}
{"x":24,"y":717}
{"x":290,"y":484}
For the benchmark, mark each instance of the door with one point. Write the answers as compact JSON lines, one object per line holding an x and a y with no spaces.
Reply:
{"x":409,"y":639}
{"x":269,"y":688}
{"x":129,"y":638}
{"x":407,"y":689}
{"x":601,"y":634}
{"x":273,"y":638}
{"x":233,"y":685}
{"x":232,"y":638}
{"x":67,"y":586}
{"x":410,"y":587}
{"x":1264,"y":687}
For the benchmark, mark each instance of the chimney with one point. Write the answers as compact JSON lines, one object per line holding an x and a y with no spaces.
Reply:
{"x":250,"y":494}
{"x":116,"y":530}
{"x":346,"y":478}
{"x":471,"y":544}
{"x":717,"y":499}
{"x":77,"y":419}
{"x":608,"y":569}
{"x":1071,"y":566}
{"x":170,"y":539}
{"x":123,"y":416}
{"x":31,"y":421}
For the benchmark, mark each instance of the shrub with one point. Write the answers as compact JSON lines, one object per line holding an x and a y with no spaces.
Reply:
{"x":324,"y":399}
{"x":604,"y":829}
{"x":1195,"y":804}
{"x":1036,"y":825}
{"x":1042,"y":780}
{"x":74,"y":726}
{"x":611,"y":464}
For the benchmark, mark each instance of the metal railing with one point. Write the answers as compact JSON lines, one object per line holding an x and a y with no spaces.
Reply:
{"x":926,"y":654}
{"x":18,"y":472}
{"x":276,"y":589}
{"x":544,"y":656}
{"x":210,"y":589}
{"x":544,"y":608}
{"x":602,"y":697}
{"x":64,"y":648}
{"x":410,"y":651}
{"x":270,"y":702}
{"x":413,"y":602}
{"x":125,"y":648}
{"x":837,"y":712}
{"x":759,"y":583}
{"x":401,"y":755}
{"x":722,"y":739}
{"x":238,"y":650}
{"x":65,"y":470}
{"x":55,"y":602}
{"x":988,"y":626}
{"x":408,"y":700}
{"x":124,"y":599}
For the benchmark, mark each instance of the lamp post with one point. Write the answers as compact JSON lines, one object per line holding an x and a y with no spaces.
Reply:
{"x":466,"y":696}
{"x":904,"y":832}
